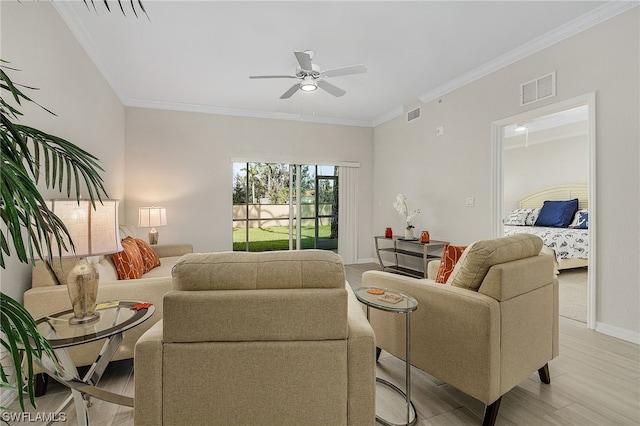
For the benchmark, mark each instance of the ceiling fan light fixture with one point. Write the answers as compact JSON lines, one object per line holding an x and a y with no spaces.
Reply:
{"x":308,"y":84}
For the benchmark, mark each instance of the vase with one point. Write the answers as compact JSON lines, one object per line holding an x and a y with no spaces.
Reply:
{"x":408,"y":233}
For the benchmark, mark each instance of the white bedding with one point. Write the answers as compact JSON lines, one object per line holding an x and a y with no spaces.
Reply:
{"x":568,"y":243}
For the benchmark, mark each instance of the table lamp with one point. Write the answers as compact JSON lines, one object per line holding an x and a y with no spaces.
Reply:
{"x":94,"y":231}
{"x":150,"y":217}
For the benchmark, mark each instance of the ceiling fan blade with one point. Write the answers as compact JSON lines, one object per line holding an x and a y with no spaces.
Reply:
{"x":304,"y":59}
{"x":273,"y":76}
{"x":293,"y":89}
{"x":334,"y":90}
{"x":354,"y":69}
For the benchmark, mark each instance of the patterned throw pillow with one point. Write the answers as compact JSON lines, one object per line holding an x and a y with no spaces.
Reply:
{"x":580,"y":220}
{"x":522,"y":217}
{"x":517,"y":217}
{"x":531,"y":217}
{"x":149,"y":257}
{"x":450,"y":256}
{"x":128,"y":262}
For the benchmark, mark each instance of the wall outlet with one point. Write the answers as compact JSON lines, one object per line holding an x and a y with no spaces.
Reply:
{"x":439,"y":131}
{"x":470,"y":202}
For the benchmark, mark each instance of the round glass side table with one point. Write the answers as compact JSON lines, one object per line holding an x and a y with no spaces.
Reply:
{"x":115,"y":318}
{"x":392,"y":301}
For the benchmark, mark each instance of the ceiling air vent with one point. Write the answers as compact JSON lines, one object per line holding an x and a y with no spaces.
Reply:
{"x":538,"y":89}
{"x":412,"y":115}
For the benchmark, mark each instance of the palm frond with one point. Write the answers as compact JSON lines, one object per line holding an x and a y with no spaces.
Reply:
{"x":23,"y":339}
{"x":106,"y":5}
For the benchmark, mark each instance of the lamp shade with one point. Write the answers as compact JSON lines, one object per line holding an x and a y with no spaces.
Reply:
{"x":150,"y":217}
{"x":93,"y":231}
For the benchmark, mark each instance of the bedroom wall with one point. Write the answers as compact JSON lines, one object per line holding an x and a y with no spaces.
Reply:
{"x":88,"y":113}
{"x":197,"y":149}
{"x":438,"y":173}
{"x":552,"y":162}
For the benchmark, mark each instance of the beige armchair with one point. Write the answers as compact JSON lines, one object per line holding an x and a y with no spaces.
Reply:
{"x":490,"y":327}
{"x":274,"y":338}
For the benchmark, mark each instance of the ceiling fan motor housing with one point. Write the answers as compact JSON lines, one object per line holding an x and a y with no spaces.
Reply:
{"x":314,"y":72}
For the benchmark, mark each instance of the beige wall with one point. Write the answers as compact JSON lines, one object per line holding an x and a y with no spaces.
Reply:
{"x":88,"y":113}
{"x":561,"y":161}
{"x":438,"y":173}
{"x":198,"y":148}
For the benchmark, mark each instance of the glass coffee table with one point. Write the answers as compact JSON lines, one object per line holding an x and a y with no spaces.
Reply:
{"x":393,"y":301}
{"x":115,"y":318}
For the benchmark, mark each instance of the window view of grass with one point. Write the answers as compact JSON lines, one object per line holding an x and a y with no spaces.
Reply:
{"x":275,"y":237}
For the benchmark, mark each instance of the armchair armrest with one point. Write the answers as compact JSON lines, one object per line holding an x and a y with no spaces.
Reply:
{"x":432,"y":269}
{"x":148,"y":387}
{"x":361,"y":364}
{"x":463,"y":325}
{"x":168,"y":250}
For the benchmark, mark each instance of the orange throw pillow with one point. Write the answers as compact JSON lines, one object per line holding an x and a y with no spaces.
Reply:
{"x":149,"y":257}
{"x":450,"y":256}
{"x":128,"y":262}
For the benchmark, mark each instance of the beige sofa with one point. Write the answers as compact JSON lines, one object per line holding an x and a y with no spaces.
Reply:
{"x":46,"y":296}
{"x":274,"y":338}
{"x":489,"y":328}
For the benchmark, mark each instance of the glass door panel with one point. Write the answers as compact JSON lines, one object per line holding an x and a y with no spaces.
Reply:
{"x":282,"y":207}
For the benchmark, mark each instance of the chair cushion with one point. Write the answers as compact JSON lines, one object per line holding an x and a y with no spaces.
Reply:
{"x":476,"y":260}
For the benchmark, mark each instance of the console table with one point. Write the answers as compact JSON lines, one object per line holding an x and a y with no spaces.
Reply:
{"x":401,"y":248}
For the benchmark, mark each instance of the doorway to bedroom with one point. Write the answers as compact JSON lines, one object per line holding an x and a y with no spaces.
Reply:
{"x":548,"y":154}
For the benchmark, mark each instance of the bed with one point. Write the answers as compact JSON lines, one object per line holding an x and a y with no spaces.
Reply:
{"x":570,"y":243}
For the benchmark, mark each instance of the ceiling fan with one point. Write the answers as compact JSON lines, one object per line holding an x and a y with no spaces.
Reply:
{"x":311,"y":76}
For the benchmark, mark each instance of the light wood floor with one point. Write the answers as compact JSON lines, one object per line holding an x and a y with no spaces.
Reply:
{"x":594,"y":381}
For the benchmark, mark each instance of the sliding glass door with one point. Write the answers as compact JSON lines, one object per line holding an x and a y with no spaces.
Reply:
{"x":284,"y":207}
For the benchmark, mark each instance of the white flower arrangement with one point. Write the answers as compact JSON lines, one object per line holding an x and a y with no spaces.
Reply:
{"x":401,"y":206}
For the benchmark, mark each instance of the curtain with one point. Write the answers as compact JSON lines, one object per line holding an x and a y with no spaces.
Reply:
{"x":348,"y":214}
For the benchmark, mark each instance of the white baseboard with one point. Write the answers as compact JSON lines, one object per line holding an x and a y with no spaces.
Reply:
{"x":620,"y":333}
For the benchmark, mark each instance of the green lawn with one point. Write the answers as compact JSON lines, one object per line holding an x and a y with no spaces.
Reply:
{"x":275,"y":238}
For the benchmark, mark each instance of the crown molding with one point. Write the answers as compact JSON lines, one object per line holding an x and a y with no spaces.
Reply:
{"x":588,"y":20}
{"x":396,"y":112}
{"x":210,"y":109}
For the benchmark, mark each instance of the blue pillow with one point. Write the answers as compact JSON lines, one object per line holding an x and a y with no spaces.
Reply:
{"x":557,"y":214}
{"x":582,"y":220}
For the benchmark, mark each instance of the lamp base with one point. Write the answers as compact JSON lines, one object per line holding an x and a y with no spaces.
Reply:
{"x":82,"y":283}
{"x":84,"y":320}
{"x":153,"y":236}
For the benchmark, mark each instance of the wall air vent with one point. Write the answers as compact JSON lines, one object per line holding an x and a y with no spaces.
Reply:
{"x":413,"y":114}
{"x":538,"y":89}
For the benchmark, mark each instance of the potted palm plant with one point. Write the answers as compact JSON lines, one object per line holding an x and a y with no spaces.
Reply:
{"x":28,"y":155}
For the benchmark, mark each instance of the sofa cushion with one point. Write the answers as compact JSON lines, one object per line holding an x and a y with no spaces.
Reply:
{"x":128,"y":262}
{"x":164,"y":270}
{"x":476,"y":260}
{"x":267,"y":270}
{"x":450,"y":256}
{"x":149,"y":257}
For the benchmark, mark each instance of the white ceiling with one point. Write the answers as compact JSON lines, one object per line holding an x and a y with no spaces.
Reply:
{"x":198,"y":55}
